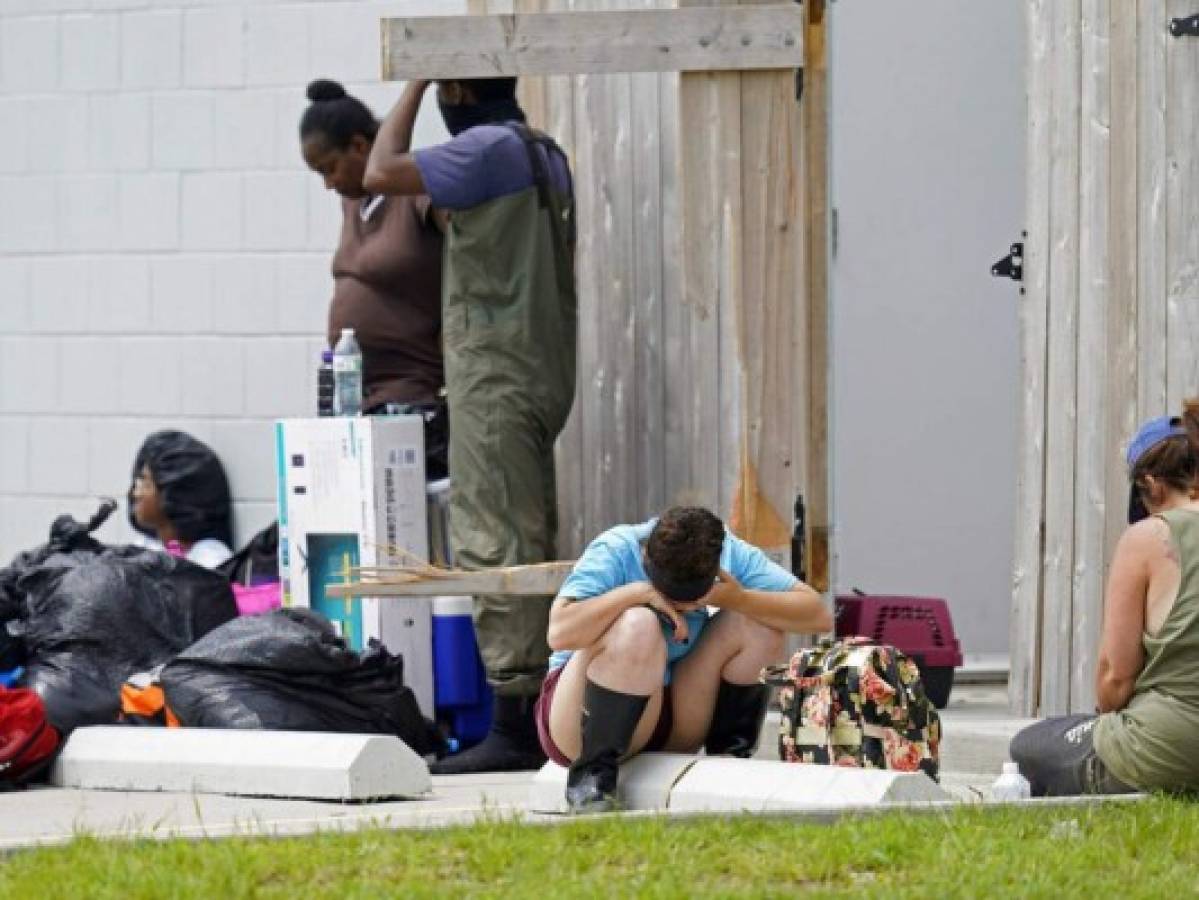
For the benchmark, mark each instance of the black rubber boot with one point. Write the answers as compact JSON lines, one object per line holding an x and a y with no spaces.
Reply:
{"x":737,"y":720}
{"x":609,"y":719}
{"x":510,"y":746}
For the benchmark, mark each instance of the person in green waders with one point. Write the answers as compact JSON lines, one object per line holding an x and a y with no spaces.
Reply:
{"x":503,"y":194}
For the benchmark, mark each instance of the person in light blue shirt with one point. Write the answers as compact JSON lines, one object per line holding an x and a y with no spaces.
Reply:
{"x":659,"y":635}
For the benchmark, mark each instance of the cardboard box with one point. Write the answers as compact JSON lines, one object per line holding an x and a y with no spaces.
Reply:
{"x":351,"y":492}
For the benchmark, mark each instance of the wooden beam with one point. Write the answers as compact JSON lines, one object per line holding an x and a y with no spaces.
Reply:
{"x":536,"y":580}
{"x":645,"y":40}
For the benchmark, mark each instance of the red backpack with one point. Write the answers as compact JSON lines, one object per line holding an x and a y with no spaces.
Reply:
{"x":27,"y":741}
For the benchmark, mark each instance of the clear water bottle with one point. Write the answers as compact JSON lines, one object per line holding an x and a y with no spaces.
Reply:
{"x":1011,"y":785}
{"x":326,"y":384}
{"x":347,"y":375}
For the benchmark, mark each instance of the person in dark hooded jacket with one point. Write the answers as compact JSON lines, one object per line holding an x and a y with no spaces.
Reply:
{"x":179,"y":498}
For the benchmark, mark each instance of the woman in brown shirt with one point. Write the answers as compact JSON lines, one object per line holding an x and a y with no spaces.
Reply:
{"x":387,"y":267}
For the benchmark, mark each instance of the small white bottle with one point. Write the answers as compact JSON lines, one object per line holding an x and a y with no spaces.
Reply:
{"x":1011,"y":785}
{"x":347,"y":376}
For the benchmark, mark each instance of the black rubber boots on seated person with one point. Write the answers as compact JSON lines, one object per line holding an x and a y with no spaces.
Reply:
{"x":510,"y":746}
{"x":737,"y":720}
{"x":609,"y":719}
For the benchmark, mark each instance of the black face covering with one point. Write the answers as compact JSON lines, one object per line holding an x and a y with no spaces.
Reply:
{"x":460,"y":117}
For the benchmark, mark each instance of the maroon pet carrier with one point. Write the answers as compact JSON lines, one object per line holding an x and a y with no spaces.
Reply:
{"x":919,"y":626}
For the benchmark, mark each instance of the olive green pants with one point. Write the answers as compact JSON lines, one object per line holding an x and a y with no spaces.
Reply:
{"x":503,"y":512}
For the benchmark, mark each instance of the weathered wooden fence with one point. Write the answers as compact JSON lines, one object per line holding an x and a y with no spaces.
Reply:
{"x":1111,"y":314}
{"x":703,"y":324}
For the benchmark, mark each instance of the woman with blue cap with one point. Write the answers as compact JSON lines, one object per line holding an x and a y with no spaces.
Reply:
{"x":1146,"y":734}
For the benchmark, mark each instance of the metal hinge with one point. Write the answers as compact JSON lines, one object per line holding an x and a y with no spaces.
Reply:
{"x":1188,"y":27}
{"x":1012,"y":265}
{"x":834,"y":237}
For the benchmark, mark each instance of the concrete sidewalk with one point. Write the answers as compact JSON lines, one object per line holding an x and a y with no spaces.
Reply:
{"x":976,"y":725}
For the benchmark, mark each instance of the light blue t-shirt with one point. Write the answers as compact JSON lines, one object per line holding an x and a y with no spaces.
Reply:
{"x":614,"y":559}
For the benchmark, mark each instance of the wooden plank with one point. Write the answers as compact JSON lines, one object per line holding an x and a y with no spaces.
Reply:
{"x":772,"y":299}
{"x":705,"y":389}
{"x":1025,"y":636}
{"x":676,"y":317}
{"x":730,"y":427}
{"x":589,"y":267}
{"x":1182,"y":215}
{"x":593,"y":42}
{"x":1091,"y":447}
{"x":536,"y":580}
{"x":1063,"y":356}
{"x":816,"y":258}
{"x":1122,"y":252}
{"x":1151,"y":203}
{"x":648,"y":387}
{"x":555,"y":114}
{"x":616,"y":489}
{"x":709,"y":114}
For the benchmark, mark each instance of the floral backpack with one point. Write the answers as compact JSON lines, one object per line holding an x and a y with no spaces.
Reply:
{"x":852,"y":702}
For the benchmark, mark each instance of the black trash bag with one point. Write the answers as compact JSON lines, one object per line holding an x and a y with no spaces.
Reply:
{"x":192,"y":487}
{"x":256,"y":562}
{"x":69,"y":540}
{"x":288,"y":670}
{"x":92,"y":622}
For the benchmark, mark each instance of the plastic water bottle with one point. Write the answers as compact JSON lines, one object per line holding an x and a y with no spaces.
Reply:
{"x":1011,"y":785}
{"x":347,"y":375}
{"x":326,"y":385}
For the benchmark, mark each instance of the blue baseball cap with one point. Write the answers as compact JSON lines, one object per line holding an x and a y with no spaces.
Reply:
{"x":1150,"y":435}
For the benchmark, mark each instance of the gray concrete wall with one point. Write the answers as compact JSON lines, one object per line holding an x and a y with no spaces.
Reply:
{"x":928,"y":130}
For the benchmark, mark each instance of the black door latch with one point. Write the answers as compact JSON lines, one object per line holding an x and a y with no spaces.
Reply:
{"x":1188,"y":27}
{"x":1012,"y":265}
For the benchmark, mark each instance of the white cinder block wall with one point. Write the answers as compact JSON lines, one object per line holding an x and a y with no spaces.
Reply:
{"x":164,"y":253}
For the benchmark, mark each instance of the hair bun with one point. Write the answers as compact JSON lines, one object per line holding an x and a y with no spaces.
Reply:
{"x":323,"y":89}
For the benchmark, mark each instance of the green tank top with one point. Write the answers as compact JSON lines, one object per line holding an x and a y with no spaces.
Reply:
{"x":1153,"y":743}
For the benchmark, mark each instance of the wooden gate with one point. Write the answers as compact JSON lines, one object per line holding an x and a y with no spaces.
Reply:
{"x":703,"y":311}
{"x":1111,"y":314}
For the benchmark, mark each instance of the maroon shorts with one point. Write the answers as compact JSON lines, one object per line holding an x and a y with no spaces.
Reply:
{"x":541,"y":712}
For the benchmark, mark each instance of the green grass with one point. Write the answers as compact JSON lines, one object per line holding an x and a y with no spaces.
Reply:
{"x":1148,"y":849}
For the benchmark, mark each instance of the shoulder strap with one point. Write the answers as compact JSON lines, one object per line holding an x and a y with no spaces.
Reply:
{"x":541,"y":176}
{"x":562,"y":224}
